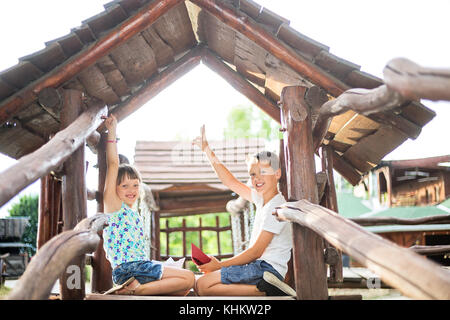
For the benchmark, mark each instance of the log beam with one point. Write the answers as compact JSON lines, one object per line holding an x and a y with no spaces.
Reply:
{"x":430,"y":250}
{"x":67,"y":70}
{"x":401,"y":268}
{"x":51,"y":155}
{"x":309,"y":266}
{"x":380,"y":221}
{"x":362,"y":101}
{"x":415,"y":82}
{"x":241,"y":84}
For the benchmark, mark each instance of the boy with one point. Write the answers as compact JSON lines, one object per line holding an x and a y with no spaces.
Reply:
{"x":260,"y":269}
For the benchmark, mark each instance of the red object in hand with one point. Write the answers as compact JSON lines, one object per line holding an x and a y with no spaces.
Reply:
{"x":198,"y":256}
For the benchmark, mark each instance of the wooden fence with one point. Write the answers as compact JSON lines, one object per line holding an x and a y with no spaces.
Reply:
{"x":184,"y":229}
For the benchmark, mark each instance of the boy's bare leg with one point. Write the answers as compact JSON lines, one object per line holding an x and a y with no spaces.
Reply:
{"x":176,"y":282}
{"x":211,"y":285}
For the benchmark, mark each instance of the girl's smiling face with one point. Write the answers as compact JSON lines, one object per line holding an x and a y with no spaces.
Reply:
{"x":128,"y":190}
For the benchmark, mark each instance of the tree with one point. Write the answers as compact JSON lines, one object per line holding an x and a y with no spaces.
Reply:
{"x":28,"y":207}
{"x":247,"y":122}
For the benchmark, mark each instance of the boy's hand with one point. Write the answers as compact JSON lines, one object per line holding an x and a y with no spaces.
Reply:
{"x":211,"y":266}
{"x":201,"y":140}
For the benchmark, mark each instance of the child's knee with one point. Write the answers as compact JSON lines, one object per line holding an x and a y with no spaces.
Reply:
{"x":189,"y":278}
{"x":199,"y":286}
{"x":202,"y":285}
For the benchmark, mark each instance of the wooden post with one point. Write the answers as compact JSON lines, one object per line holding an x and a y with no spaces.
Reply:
{"x":74,"y":195}
{"x":218,"y":235}
{"x":308,"y":252}
{"x":49,"y":209}
{"x":200,"y":234}
{"x":101,"y":268}
{"x":282,"y":186}
{"x":156,"y":242}
{"x":44,"y":213}
{"x":336,"y":270}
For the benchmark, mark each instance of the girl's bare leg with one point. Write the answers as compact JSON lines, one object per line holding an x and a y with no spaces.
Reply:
{"x":211,"y":285}
{"x":176,"y":282}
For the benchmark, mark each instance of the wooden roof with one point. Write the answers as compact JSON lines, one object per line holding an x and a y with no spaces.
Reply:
{"x":360,"y":142}
{"x":170,"y":165}
{"x":438,"y":163}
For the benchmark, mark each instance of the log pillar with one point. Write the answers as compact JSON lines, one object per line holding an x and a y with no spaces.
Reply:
{"x":101,"y":268}
{"x":336,"y":270}
{"x":74,"y":196}
{"x":282,"y":187}
{"x":308,"y":249}
{"x":50,"y":209}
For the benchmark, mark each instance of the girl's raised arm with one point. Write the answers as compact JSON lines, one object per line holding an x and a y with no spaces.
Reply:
{"x":110,"y":199}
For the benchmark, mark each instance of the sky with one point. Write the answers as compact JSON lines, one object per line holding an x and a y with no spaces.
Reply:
{"x":366,"y":33}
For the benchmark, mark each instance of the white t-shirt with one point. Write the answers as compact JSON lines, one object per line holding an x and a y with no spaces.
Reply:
{"x":278,"y":252}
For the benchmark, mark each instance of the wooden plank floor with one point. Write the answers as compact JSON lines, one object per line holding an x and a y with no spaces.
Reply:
{"x":96,"y":296}
{"x":353,"y":278}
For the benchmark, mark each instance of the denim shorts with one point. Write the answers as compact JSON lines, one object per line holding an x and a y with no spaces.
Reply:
{"x":143,"y":271}
{"x":250,"y":273}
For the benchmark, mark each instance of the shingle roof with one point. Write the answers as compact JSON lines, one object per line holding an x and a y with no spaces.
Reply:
{"x":164,"y":164}
{"x":360,"y":141}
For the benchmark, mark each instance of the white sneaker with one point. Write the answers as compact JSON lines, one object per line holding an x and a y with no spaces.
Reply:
{"x":273,"y":286}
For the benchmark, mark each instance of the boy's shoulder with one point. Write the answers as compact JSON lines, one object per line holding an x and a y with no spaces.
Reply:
{"x":276,"y":200}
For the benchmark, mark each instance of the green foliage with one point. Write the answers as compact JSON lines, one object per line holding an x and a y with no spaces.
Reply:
{"x":28,"y":207}
{"x":4,"y":291}
{"x":209,"y":238}
{"x":250,"y":122}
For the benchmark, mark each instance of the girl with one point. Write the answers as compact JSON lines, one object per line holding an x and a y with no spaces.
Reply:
{"x":124,"y":238}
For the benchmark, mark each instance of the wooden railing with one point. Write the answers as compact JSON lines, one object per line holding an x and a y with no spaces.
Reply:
{"x":379,"y":221}
{"x":52,"y":260}
{"x":184,"y":229}
{"x":401,"y":268}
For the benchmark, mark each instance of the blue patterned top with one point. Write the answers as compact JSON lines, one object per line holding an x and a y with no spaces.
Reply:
{"x":123,"y":238}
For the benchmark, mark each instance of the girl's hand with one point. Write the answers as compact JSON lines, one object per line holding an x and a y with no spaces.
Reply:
{"x":211,"y":266}
{"x":111,"y":123}
{"x":201,"y":140}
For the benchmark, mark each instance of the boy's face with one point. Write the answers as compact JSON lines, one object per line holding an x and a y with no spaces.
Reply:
{"x":264,"y":178}
{"x":128,"y":190}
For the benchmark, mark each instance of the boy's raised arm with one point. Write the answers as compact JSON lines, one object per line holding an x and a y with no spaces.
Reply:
{"x":227,"y":178}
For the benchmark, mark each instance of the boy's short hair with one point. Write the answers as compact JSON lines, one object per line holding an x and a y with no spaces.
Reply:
{"x":264,"y":157}
{"x":128,"y":170}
